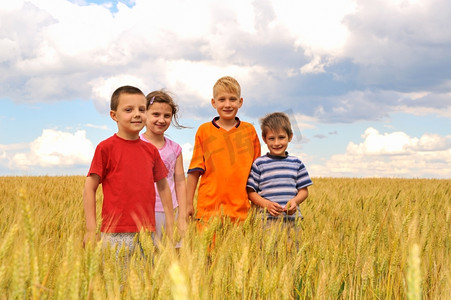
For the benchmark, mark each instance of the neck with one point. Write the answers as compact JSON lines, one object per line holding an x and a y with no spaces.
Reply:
{"x":156,"y":139}
{"x":128,"y":136}
{"x":226,"y":124}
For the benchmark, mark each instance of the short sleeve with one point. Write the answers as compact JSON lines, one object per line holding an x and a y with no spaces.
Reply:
{"x":159,"y":170}
{"x":197,"y":160}
{"x":303,"y":177}
{"x":254,"y":178}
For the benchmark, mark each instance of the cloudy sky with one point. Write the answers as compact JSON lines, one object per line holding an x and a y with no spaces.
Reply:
{"x":367,"y":83}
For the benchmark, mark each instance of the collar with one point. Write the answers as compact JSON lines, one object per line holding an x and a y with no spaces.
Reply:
{"x":238,"y":122}
{"x":277,"y":157}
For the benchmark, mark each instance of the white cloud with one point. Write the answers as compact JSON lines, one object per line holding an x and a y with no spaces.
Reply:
{"x":102,"y":89}
{"x":316,"y":25}
{"x":393,"y":154}
{"x":55,"y":149}
{"x":103,"y":127}
{"x":50,"y":50}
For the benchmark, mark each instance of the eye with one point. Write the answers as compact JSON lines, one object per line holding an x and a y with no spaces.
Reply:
{"x":167,"y":116}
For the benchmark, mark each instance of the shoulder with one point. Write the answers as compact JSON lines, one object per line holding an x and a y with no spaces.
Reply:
{"x":206,"y":126}
{"x":146,"y":145}
{"x":293,"y":158}
{"x":206,"y":130}
{"x":109,"y":142}
{"x":171,"y":143}
{"x":262,"y":160}
{"x":246,"y":125}
{"x":172,"y":146}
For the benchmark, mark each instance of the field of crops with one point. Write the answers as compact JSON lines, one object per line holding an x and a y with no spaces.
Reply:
{"x":360,"y":239}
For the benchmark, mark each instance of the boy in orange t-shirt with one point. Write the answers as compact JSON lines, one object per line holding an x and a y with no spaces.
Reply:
{"x":224,"y":151}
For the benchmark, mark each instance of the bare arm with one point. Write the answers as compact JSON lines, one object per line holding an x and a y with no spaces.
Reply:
{"x":166,"y":199}
{"x":180,"y":191}
{"x":191,"y":185}
{"x":272,"y":207}
{"x":89,"y":203}
{"x":297,"y":200}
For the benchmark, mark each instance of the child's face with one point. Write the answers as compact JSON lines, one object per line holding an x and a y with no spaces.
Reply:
{"x":226,"y":104}
{"x":277,"y":142}
{"x":159,"y":117}
{"x":130,"y":115}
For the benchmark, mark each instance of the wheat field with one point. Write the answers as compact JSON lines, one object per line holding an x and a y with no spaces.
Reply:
{"x":360,"y":239}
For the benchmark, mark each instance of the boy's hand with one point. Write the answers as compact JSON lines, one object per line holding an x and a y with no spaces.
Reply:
{"x":291,"y":207}
{"x":189,"y":211}
{"x":274,"y":208}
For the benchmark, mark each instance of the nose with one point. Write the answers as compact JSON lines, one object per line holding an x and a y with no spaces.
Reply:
{"x":161,"y":119}
{"x":138,"y":114}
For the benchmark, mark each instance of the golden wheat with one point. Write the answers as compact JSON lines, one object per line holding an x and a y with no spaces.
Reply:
{"x":360,"y":239}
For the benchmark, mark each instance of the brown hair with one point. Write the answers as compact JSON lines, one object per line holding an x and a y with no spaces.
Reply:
{"x":126,"y":89}
{"x":163,"y":96}
{"x":276,"y":121}
{"x":228,"y":84}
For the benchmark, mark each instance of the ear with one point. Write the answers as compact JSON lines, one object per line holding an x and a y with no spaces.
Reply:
{"x":264,"y":139}
{"x":290,"y":138}
{"x":113,"y":115}
{"x":213,"y":103}
{"x":240,"y":103}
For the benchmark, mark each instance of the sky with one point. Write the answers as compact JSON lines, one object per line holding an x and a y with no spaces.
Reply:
{"x":366,"y":83}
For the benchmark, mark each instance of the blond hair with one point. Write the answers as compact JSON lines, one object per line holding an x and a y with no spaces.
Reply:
{"x":228,"y":84}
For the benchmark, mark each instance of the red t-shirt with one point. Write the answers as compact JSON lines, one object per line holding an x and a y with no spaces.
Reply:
{"x":127,"y":170}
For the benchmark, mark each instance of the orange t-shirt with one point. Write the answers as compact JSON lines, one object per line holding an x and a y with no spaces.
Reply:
{"x":224,"y":159}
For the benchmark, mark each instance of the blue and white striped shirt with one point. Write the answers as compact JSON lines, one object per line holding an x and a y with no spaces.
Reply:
{"x":278,"y":178}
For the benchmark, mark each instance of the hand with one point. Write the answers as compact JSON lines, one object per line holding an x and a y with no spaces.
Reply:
{"x":189,"y":211}
{"x":274,"y":208}
{"x":90,"y":238}
{"x":291,"y":207}
{"x":182,"y":226}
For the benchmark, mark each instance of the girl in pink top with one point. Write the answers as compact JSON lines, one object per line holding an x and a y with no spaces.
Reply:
{"x":161,"y":112}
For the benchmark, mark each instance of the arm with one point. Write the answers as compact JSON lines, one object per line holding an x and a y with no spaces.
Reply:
{"x":191,"y":185}
{"x":89,"y":203}
{"x":297,"y":200}
{"x":272,"y":207}
{"x":166,"y":199}
{"x":180,"y":191}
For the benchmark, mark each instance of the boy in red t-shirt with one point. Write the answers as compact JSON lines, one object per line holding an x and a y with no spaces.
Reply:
{"x":127,"y":168}
{"x":224,"y":150}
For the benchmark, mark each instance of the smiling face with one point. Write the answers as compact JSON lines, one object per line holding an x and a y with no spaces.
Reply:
{"x":226,"y":104}
{"x":159,"y":117}
{"x":130,"y":115}
{"x":277,"y":141}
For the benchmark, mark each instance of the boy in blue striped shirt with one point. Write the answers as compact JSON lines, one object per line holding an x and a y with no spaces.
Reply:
{"x":278,"y":182}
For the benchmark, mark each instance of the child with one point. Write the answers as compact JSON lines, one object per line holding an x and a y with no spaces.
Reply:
{"x":126,"y":167}
{"x":161,"y":111}
{"x":224,"y":150}
{"x":278,"y":182}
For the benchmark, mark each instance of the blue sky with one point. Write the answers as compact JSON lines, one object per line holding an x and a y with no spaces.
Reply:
{"x":366,"y":83}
